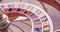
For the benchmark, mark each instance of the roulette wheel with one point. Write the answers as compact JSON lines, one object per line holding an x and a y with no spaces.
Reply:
{"x":37,"y":11}
{"x":40,"y":20}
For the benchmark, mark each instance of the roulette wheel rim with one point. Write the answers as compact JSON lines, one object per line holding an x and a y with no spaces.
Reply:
{"x":50,"y":21}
